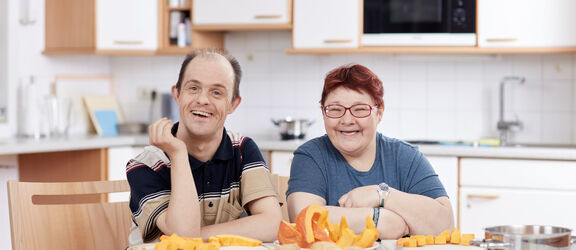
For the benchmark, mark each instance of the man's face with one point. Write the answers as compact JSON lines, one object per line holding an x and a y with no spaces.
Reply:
{"x":205,"y":97}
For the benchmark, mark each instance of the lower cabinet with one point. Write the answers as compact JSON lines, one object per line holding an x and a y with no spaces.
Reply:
{"x":280,"y":162}
{"x":505,"y":192}
{"x":118,"y":157}
{"x":447,"y":169}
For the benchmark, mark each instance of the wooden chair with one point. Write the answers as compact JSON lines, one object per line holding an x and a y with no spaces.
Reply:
{"x":63,"y":215}
{"x":281,"y":184}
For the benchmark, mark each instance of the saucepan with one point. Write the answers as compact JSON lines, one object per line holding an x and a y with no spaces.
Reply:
{"x":291,"y":128}
{"x":533,"y":237}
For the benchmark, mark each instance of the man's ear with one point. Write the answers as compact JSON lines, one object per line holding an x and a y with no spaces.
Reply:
{"x":175,"y":93}
{"x":235,"y":104}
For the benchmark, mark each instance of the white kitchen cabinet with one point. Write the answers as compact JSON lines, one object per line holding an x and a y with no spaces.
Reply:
{"x":280,"y":162}
{"x":212,"y":12}
{"x":505,"y":191}
{"x":534,"y":23}
{"x":126,"y":24}
{"x":326,"y":24}
{"x":447,"y":169}
{"x":118,"y":157}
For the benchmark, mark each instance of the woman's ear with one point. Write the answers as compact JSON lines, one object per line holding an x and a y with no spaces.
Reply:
{"x":380,"y":112}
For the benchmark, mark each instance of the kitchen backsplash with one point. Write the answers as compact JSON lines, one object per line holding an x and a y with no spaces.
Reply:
{"x":435,"y":97}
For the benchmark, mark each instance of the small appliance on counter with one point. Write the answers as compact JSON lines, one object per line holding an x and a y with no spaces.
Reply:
{"x":291,"y":128}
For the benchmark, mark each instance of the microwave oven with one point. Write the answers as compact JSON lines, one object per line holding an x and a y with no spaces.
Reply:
{"x":419,"y":23}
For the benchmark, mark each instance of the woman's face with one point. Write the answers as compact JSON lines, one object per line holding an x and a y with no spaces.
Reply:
{"x":349,"y":134}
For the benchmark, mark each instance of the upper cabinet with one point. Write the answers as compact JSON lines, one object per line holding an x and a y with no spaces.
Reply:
{"x":69,"y":27}
{"x":317,"y":26}
{"x":120,"y":27}
{"x":537,"y":24}
{"x":242,"y":14}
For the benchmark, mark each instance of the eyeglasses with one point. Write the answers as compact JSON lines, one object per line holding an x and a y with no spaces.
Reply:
{"x":357,"y":110}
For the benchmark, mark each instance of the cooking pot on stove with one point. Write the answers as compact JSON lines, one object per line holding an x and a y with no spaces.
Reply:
{"x":292,"y":128}
{"x":533,"y":237}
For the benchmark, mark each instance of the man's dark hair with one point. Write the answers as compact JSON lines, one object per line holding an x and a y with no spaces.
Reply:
{"x":210,"y":52}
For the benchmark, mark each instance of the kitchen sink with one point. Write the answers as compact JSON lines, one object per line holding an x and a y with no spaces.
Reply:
{"x":473,"y":144}
{"x":540,"y":145}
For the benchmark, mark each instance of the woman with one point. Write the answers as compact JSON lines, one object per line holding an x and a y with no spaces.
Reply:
{"x":355,"y":171}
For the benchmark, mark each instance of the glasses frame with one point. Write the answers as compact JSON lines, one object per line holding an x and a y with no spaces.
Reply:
{"x":348,"y":109}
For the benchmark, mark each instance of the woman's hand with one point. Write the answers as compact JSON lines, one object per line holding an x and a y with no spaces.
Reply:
{"x":366,"y":196}
{"x":160,"y":133}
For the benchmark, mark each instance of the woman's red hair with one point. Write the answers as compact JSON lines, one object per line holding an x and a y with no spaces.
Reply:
{"x":354,"y":77}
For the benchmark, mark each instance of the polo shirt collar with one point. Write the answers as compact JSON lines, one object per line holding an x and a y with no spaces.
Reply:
{"x":224,"y":151}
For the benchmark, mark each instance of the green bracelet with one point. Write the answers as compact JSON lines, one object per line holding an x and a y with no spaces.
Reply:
{"x":376,"y":216}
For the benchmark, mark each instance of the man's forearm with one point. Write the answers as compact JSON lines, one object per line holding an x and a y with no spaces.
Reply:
{"x":263,"y":227}
{"x":183,"y":213}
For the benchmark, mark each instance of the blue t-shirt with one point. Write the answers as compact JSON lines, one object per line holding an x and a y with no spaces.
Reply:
{"x":319,"y":168}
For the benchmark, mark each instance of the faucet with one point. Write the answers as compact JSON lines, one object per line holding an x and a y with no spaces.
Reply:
{"x":503,"y":125}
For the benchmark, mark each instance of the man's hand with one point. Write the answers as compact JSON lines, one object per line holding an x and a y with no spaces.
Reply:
{"x":366,"y":196}
{"x":160,"y":133}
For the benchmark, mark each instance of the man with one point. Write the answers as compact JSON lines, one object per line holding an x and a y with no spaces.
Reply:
{"x":197,"y":179}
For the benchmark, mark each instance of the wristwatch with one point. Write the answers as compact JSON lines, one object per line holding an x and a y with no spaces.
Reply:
{"x":383,"y":191}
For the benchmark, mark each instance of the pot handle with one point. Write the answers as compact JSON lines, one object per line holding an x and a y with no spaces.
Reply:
{"x":490,"y":244}
{"x":277,"y":123}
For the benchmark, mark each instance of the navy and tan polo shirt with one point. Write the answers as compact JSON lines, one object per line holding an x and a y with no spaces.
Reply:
{"x":235,"y":176}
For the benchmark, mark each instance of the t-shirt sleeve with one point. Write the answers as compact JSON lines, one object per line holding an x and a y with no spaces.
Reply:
{"x":306,"y":175}
{"x":149,"y":191}
{"x":422,"y":179}
{"x":256,"y":182}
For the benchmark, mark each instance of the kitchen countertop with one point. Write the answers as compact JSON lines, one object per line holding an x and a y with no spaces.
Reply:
{"x":30,"y":145}
{"x":70,"y":143}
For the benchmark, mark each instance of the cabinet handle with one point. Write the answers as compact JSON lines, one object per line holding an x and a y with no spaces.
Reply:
{"x":495,"y":40}
{"x":337,"y":40}
{"x":267,"y":16}
{"x":127,"y":42}
{"x":483,"y":196}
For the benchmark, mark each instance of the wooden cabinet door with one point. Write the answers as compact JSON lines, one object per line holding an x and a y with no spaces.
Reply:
{"x":326,"y":24}
{"x":69,"y":27}
{"x":241,"y":12}
{"x":127,"y":24}
{"x":517,"y":23}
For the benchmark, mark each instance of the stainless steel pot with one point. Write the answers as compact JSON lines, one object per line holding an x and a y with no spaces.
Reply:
{"x":533,"y":237}
{"x":292,"y":128}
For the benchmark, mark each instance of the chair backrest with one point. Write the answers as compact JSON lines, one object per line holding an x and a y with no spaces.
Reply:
{"x":281,"y":184}
{"x":68,"y":223}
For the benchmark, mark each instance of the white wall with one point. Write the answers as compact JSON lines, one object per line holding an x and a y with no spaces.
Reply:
{"x":442,"y":97}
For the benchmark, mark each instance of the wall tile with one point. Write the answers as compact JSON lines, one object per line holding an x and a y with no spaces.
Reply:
{"x":441,"y":125}
{"x":557,"y":96}
{"x":557,"y":67}
{"x":413,"y":125}
{"x":441,"y":95}
{"x":413,"y":95}
{"x":557,"y":127}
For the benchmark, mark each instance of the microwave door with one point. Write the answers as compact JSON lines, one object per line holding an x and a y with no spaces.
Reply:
{"x":404,"y":16}
{"x":419,"y":23}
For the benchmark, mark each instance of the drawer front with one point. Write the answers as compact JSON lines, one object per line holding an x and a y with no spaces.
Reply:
{"x":533,"y":174}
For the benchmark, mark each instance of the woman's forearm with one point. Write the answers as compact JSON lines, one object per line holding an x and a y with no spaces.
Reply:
{"x":422,"y":214}
{"x":390,"y":225}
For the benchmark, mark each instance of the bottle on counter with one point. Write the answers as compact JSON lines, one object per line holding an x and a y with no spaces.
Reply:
{"x":181,"y":35}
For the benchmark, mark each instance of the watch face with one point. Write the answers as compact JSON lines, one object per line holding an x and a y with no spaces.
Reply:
{"x":383,"y":186}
